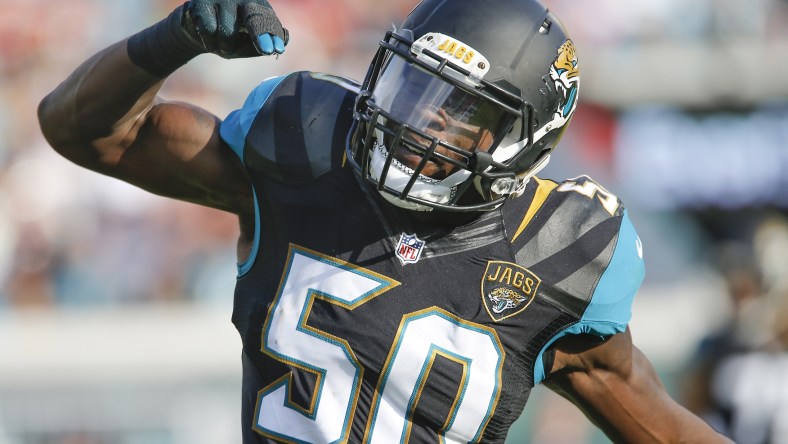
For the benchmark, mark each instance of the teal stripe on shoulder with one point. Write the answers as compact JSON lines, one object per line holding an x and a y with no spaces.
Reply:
{"x":611,"y":304}
{"x":612,"y":299}
{"x":575,"y":329}
{"x":246,"y":265}
{"x":236,"y":126}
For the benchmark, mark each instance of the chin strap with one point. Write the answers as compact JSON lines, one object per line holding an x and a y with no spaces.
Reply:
{"x":526,"y":176}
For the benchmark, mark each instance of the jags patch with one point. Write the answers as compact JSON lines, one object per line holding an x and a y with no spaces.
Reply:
{"x":507,"y":289}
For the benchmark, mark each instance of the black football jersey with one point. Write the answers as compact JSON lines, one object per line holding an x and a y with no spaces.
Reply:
{"x":365,"y":323}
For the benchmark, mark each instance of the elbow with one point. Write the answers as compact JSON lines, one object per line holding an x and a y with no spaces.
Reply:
{"x":59,"y":128}
{"x":55,"y":125}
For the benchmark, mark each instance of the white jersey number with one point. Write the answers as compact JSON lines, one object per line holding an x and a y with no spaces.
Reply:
{"x":422,"y":337}
{"x":589,"y":189}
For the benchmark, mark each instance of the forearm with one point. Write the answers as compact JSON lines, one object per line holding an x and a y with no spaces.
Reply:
{"x":633,"y":406}
{"x":109,"y":94}
{"x":106,"y":115}
{"x":103,"y":97}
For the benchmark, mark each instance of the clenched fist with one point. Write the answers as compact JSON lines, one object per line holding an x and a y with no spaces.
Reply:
{"x":229,"y":28}
{"x":234,"y":28}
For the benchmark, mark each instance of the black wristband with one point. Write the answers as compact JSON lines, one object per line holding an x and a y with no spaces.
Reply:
{"x":163,"y":47}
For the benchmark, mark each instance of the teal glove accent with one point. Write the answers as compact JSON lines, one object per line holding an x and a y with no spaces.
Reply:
{"x":235,"y":28}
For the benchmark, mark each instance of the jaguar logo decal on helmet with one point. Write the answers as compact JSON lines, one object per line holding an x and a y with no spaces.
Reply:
{"x":457,"y":116}
{"x":566,"y":76}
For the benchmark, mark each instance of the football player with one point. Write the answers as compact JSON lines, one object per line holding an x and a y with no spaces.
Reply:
{"x":403,"y":274}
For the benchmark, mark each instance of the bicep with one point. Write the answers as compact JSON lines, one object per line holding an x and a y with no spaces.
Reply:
{"x":618,"y":389}
{"x":174,"y":150}
{"x":106,"y":116}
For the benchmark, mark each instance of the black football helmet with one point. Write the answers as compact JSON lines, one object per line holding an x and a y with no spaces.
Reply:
{"x":464,"y":102}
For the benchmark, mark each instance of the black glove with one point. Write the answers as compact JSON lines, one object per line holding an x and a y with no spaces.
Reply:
{"x":229,"y":28}
{"x":235,"y":28}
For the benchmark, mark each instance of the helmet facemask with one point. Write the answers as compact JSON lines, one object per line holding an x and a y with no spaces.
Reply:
{"x":431,"y":125}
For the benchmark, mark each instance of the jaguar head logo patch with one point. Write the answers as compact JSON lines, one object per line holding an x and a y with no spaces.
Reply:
{"x":507,"y":289}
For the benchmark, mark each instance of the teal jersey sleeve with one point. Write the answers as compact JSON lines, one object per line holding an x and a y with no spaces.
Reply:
{"x":611,"y":303}
{"x":236,"y":126}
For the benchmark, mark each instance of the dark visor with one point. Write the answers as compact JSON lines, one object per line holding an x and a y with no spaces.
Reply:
{"x":423,"y":101}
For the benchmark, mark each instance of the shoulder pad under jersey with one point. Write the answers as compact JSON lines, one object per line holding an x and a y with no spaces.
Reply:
{"x":293,"y":128}
{"x":578,"y":239}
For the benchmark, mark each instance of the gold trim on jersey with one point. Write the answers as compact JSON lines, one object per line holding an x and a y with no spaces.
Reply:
{"x":544,"y":188}
{"x":423,"y":381}
{"x":465,"y":375}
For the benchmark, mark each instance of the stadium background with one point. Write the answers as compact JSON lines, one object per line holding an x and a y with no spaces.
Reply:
{"x":115,"y":304}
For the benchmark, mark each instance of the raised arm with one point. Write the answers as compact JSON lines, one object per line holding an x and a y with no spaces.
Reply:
{"x":106,"y":116}
{"x":614,"y":384}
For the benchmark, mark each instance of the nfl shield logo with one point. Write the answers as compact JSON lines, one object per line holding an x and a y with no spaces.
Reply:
{"x":409,"y":248}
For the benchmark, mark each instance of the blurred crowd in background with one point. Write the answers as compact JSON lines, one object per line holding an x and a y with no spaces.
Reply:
{"x":683,"y":114}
